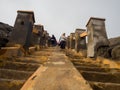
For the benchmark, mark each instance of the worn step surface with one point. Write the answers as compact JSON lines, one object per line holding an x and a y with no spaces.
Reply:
{"x":14,"y":74}
{"x":101,"y":76}
{"x":57,"y":74}
{"x":10,"y":84}
{"x":20,"y":66}
{"x":104,"y":86}
{"x":98,"y":69}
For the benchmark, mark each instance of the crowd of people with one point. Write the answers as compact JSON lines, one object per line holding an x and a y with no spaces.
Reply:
{"x":61,"y":43}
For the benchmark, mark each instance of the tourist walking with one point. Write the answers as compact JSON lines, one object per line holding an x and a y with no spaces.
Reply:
{"x":62,"y":41}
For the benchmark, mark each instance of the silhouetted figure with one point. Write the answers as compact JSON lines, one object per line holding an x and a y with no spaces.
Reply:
{"x":53,"y":41}
{"x":62,"y":41}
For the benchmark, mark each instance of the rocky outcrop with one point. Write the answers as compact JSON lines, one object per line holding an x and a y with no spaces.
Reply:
{"x":114,"y":49}
{"x":5,"y":32}
{"x":116,"y":52}
{"x":114,"y":41}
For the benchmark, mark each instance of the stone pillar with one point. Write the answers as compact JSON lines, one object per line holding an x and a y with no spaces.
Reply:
{"x":97,"y":37}
{"x":68,"y":42}
{"x":36,"y":35}
{"x":47,"y":39}
{"x":72,"y":41}
{"x":41,"y":31}
{"x":43,"y":38}
{"x":22,"y":33}
{"x":80,"y":42}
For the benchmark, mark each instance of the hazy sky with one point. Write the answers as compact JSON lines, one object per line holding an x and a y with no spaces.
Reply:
{"x":60,"y":16}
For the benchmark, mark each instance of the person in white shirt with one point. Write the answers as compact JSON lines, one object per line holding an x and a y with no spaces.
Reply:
{"x":62,"y":41}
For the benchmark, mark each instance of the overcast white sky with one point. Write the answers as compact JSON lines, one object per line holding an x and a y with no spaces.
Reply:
{"x":60,"y":16}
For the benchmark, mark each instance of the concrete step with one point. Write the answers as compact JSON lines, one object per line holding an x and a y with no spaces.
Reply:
{"x":113,"y":77}
{"x":86,"y":64}
{"x":10,"y":84}
{"x":14,"y":74}
{"x":97,"y":69}
{"x":21,"y":66}
{"x":105,"y":86}
{"x":19,"y":59}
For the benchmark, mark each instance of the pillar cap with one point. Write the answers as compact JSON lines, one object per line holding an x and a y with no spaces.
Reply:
{"x":72,"y":33}
{"x":78,"y":29}
{"x":38,"y":25}
{"x":29,"y":12}
{"x":94,"y":18}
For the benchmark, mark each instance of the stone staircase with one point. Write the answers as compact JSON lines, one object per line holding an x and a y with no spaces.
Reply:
{"x":98,"y":75}
{"x":15,"y":71}
{"x":50,"y":69}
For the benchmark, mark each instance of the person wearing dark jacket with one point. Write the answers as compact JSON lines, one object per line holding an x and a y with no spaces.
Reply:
{"x":53,"y":41}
